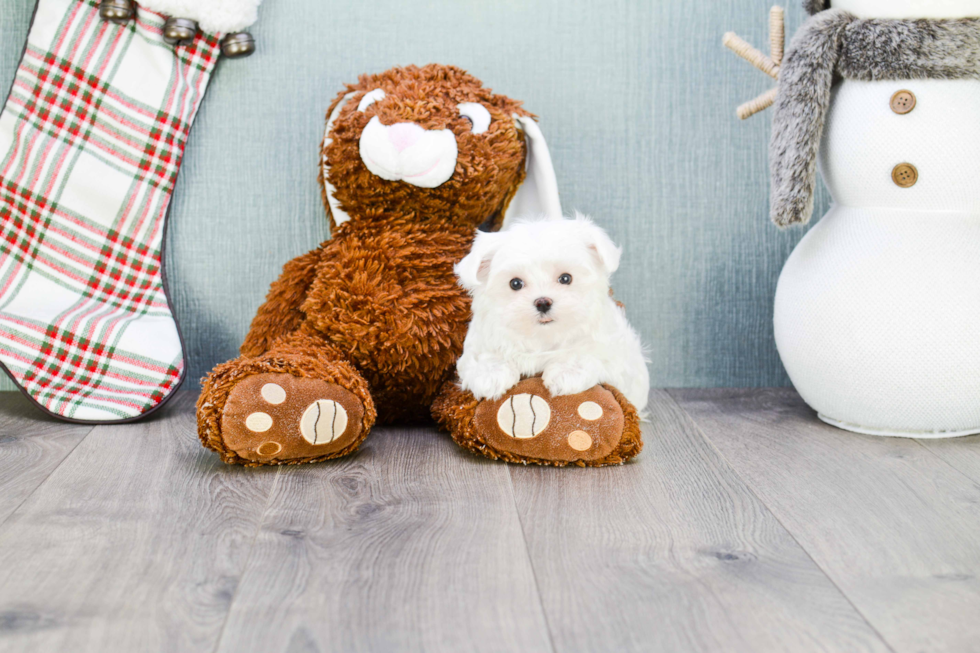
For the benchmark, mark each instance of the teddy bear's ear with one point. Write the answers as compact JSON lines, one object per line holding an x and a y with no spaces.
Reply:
{"x":538,"y":195}
{"x":475,"y":266}
{"x":339,"y":215}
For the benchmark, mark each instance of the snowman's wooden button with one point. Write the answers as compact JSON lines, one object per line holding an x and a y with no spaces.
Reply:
{"x":903,"y":102}
{"x":905,"y":175}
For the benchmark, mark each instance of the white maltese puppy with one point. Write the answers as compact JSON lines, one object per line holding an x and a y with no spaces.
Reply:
{"x":542,"y":305}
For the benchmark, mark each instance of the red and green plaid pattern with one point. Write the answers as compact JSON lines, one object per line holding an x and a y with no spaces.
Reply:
{"x":91,"y":140}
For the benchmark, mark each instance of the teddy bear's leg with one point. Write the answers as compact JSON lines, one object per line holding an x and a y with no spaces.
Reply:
{"x":594,"y":428}
{"x":299,"y":402}
{"x":280,"y":314}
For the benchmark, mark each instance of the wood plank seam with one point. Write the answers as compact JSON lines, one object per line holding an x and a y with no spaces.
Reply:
{"x":924,"y":444}
{"x":409,"y":545}
{"x":677,"y":535}
{"x":530,"y":561}
{"x":135,"y":544}
{"x":45,"y":480}
{"x":248,"y":559}
{"x":744,"y":481}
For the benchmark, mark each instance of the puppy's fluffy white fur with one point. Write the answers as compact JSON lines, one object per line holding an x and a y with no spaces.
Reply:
{"x":581,"y":341}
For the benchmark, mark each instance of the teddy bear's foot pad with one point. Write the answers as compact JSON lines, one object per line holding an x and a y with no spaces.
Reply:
{"x":528,"y":422}
{"x":271,"y":418}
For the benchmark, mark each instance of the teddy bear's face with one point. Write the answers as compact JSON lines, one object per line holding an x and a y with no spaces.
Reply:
{"x":906,"y":9}
{"x":427,"y":142}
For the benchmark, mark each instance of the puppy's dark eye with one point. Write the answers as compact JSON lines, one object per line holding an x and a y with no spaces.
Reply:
{"x":565,"y":279}
{"x":516,"y":284}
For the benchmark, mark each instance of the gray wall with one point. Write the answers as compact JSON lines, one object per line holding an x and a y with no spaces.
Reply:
{"x":636,"y":98}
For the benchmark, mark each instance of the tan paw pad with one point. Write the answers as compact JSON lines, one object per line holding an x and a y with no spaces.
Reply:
{"x":269,"y":448}
{"x":258,"y":422}
{"x":324,"y":421}
{"x":524,"y":416}
{"x":590,"y":410}
{"x":273,"y":393}
{"x":579,"y":440}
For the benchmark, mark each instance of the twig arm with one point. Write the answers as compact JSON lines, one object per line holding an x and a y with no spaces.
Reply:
{"x":742,"y":48}
{"x":777,"y":34}
{"x":769,"y":65}
{"x":761,"y":103}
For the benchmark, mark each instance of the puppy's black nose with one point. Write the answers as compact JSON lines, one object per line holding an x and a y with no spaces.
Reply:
{"x":543,"y":304}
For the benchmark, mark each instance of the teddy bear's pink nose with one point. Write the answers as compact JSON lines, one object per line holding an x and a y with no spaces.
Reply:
{"x":404,"y":134}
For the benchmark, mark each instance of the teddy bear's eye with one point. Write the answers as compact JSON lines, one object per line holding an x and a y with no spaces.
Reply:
{"x":477,"y":114}
{"x":516,"y":284}
{"x":370,"y":98}
{"x":565,"y":279}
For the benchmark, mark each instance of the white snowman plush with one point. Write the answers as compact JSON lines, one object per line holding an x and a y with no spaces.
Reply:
{"x":877,"y":310}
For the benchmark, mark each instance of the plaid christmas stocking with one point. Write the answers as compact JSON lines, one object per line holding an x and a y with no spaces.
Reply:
{"x":91,"y":139}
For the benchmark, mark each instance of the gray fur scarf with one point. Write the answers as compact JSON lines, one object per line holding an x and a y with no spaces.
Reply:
{"x":834,"y":44}
{"x":813,"y":6}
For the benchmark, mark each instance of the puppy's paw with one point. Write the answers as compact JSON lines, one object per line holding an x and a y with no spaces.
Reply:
{"x":568,"y":379}
{"x":490,"y":381}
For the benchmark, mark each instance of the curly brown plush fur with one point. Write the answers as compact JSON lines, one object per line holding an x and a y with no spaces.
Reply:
{"x":376,"y":309}
{"x":489,"y":166}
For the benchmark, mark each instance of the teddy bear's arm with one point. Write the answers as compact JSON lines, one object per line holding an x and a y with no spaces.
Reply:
{"x":280,"y":314}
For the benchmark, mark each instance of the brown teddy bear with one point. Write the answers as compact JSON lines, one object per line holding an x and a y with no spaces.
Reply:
{"x":369,"y":325}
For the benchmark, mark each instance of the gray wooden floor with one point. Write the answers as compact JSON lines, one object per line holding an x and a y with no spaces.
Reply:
{"x":745,"y":525}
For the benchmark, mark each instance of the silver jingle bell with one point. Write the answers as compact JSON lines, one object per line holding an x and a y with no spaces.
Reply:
{"x":238,"y":45}
{"x":179,"y":31}
{"x":117,"y":11}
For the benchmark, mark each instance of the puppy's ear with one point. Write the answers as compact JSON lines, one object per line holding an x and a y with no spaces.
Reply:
{"x":604,"y":249}
{"x":474,"y":269}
